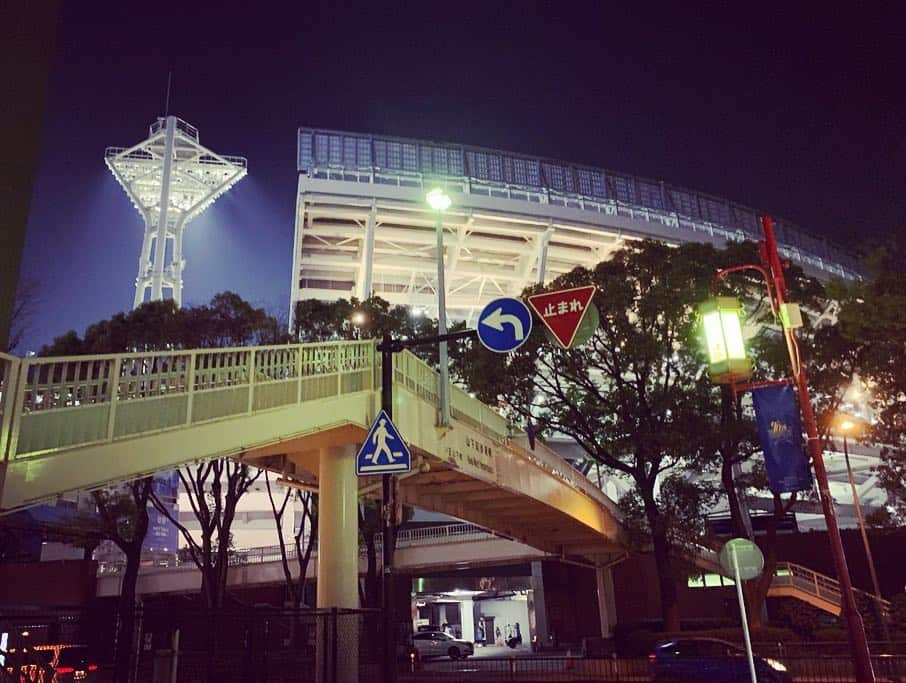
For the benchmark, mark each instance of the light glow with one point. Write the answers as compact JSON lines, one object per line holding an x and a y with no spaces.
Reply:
{"x":717,"y":349}
{"x":438,"y":199}
{"x":722,"y":327}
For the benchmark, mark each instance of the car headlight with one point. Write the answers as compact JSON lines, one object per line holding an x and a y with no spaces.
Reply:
{"x":774,"y":664}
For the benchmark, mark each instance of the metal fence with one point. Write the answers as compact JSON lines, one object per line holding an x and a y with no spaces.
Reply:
{"x":833,"y":669}
{"x":259,"y":645}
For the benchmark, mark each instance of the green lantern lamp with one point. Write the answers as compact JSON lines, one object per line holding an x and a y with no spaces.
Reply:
{"x":722,"y":323}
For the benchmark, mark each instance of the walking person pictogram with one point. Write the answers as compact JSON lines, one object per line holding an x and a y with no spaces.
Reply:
{"x":379,"y":439}
{"x":383,"y":451}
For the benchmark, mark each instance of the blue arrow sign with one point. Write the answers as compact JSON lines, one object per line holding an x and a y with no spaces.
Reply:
{"x":384,"y":451}
{"x":504,"y":325}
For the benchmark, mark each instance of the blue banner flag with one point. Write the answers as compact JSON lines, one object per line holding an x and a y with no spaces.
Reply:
{"x":780,"y":433}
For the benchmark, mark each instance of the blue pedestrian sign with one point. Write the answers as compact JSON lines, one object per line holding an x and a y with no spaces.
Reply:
{"x":384,"y":451}
{"x":504,"y":324}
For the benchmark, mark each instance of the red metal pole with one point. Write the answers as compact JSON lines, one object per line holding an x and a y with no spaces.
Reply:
{"x":858,"y":645}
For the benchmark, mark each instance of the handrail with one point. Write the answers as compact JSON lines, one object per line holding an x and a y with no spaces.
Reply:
{"x":816,"y":584}
{"x":433,"y":535}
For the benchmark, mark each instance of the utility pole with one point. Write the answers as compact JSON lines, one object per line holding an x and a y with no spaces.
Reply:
{"x":857,"y":642}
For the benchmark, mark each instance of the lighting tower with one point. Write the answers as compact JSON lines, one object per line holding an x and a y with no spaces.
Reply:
{"x":170,"y":179}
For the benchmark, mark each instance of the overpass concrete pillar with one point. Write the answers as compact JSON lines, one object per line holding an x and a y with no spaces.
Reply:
{"x":607,"y":608}
{"x":539,"y":604}
{"x":338,"y":529}
{"x":338,"y":564}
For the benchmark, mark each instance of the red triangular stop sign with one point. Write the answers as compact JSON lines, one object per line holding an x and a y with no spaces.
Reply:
{"x":562,"y":311}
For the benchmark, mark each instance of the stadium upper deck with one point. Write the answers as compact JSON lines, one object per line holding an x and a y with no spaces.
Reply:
{"x":362,"y":225}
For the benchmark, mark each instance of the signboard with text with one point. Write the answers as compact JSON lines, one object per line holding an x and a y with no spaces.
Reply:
{"x":562,"y":311}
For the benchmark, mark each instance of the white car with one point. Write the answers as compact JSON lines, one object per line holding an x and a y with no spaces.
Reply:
{"x":437,"y":644}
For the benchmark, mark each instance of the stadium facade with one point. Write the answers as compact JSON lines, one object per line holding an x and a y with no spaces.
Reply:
{"x":362,"y":225}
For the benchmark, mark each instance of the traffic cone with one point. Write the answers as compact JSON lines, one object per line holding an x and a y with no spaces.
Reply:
{"x":570,"y":665}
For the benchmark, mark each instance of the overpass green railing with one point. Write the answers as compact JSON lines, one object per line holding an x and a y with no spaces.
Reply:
{"x":54,"y":403}
{"x":49,"y":404}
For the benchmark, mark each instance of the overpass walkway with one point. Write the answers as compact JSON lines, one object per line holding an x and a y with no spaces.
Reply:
{"x":435,"y":548}
{"x":83,"y":422}
{"x":450,"y":546}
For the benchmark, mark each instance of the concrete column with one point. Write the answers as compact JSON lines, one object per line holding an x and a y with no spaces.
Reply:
{"x":338,"y":565}
{"x":338,"y":529}
{"x":467,"y":619}
{"x":539,"y":605}
{"x":607,"y":608}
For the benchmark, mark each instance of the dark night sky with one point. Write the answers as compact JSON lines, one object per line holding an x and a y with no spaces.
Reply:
{"x":794,"y":113}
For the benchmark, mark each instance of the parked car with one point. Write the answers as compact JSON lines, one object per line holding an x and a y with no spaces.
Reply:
{"x":437,"y":644}
{"x":76,"y":664}
{"x":708,"y":660}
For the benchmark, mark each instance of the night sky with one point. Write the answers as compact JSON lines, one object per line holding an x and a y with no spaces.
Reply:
{"x":799,"y":114}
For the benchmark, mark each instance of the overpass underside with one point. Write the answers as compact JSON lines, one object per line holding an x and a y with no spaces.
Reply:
{"x":86,"y":422}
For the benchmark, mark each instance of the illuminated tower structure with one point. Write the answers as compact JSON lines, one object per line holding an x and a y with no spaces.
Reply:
{"x":170,"y":178}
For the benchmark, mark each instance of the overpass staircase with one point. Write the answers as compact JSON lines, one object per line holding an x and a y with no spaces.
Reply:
{"x":797,"y":581}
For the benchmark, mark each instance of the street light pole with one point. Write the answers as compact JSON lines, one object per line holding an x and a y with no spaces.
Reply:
{"x":440,"y":202}
{"x":855,"y":630}
{"x":444,"y":397}
{"x":879,"y":605}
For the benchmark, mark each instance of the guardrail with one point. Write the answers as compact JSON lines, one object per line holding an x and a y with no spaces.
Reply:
{"x":434,"y":535}
{"x":63,"y":402}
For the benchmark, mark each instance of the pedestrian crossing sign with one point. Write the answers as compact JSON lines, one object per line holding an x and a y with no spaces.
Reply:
{"x":384,"y":451}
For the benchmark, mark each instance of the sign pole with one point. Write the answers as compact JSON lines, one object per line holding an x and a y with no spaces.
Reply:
{"x":742,"y":611}
{"x":387,"y":527}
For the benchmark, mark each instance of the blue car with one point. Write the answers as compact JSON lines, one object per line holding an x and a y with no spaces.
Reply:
{"x":708,"y":660}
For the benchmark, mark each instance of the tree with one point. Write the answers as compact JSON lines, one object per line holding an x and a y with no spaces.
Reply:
{"x":309,"y":522}
{"x":123,"y":513}
{"x":634,"y":397}
{"x":213,"y":489}
{"x":872,"y":319}
{"x":226,"y":321}
{"x":20,"y":319}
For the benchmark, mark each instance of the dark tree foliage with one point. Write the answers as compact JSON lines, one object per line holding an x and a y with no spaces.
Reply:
{"x":227,"y":320}
{"x":872,"y":328}
{"x":635,"y":397}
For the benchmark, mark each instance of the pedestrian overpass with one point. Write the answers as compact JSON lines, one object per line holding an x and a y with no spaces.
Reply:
{"x":83,"y":422}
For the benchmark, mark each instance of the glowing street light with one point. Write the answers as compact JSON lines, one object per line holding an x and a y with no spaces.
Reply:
{"x":845,"y":426}
{"x":440,"y":201}
{"x":727,"y":359}
{"x":358,"y":318}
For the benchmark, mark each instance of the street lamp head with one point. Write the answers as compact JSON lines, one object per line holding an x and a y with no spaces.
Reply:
{"x":438,"y":199}
{"x":727,"y":359}
{"x":847,"y":425}
{"x":358,"y":318}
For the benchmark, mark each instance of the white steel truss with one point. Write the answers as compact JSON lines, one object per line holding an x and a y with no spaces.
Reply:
{"x":170,"y":178}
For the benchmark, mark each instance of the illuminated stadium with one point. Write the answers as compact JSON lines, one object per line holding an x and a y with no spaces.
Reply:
{"x":363,"y":226}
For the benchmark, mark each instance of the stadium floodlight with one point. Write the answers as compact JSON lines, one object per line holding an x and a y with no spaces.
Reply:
{"x":727,"y":359}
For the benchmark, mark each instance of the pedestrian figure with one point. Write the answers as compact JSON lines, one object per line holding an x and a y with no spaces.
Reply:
{"x":381,"y":435}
